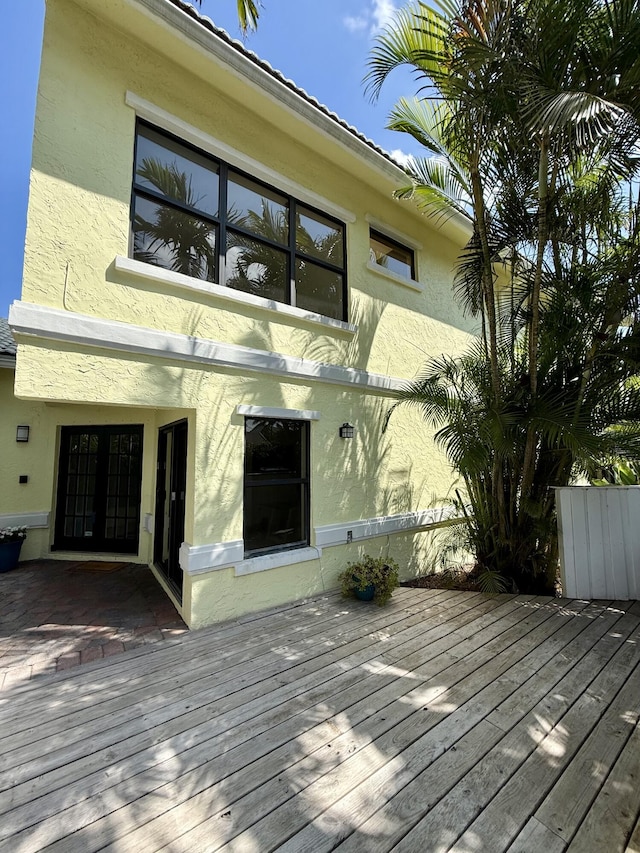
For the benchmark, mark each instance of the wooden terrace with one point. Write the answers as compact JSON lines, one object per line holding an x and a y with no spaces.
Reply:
{"x":443,"y":721}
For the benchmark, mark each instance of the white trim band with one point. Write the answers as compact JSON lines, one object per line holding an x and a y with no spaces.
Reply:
{"x":53,"y":324}
{"x":147,"y":272}
{"x":200,"y":559}
{"x":30,"y":520}
{"x":269,"y":412}
{"x":395,"y":278}
{"x":275,"y":561}
{"x":368,"y":528}
{"x":389,"y":231}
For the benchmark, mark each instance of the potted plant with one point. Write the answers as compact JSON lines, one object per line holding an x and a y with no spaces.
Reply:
{"x":11,"y":539}
{"x":370,"y":579}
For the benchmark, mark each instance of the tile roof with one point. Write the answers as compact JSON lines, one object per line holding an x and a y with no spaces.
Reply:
{"x":208,"y":24}
{"x":7,"y":343}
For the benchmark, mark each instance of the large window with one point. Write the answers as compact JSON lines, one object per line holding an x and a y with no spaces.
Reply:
{"x":276,"y":485}
{"x":196,"y":215}
{"x":392,"y":256}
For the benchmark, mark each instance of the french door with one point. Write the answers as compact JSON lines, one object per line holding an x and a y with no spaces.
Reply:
{"x":171,"y":485}
{"x":99,"y":481}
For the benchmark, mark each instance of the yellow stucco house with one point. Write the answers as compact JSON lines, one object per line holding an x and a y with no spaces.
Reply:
{"x":220,"y":297}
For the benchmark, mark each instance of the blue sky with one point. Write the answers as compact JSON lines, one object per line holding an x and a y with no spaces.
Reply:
{"x":324,"y":50}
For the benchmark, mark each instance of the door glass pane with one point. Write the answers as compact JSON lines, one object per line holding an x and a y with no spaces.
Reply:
{"x":257,"y":209}
{"x":319,"y":237}
{"x":319,"y":290}
{"x":167,"y":501}
{"x":167,"y":237}
{"x":176,"y":172}
{"x":82,"y":452}
{"x":256,"y":268}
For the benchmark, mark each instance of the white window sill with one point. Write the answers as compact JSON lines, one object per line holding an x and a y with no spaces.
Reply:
{"x":274,"y":561}
{"x":270,"y":412}
{"x":147,"y":272}
{"x":397,"y":279}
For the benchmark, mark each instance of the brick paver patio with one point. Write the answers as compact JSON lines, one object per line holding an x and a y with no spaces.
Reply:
{"x":56,"y":614}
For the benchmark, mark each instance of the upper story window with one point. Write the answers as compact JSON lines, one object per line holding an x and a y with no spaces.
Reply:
{"x":198,"y":216}
{"x":391,"y":255}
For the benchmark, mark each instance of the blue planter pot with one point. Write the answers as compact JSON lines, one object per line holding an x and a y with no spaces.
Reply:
{"x":9,"y":555}
{"x":367,"y":593}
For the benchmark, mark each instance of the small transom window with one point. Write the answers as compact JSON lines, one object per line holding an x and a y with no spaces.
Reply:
{"x":392,"y":256}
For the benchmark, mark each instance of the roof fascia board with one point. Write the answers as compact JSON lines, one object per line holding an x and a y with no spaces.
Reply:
{"x":214,"y":47}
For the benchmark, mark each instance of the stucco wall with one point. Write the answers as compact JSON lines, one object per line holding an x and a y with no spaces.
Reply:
{"x":81,"y":191}
{"x":79,"y":224}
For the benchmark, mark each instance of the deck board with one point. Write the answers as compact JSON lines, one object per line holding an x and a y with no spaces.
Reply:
{"x":444,"y":721}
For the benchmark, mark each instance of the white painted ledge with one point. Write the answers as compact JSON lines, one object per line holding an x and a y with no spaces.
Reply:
{"x":46,"y":323}
{"x":271,"y":412}
{"x":396,"y":279}
{"x":275,"y":561}
{"x":31,"y":520}
{"x":393,"y":232}
{"x":200,"y":559}
{"x":368,"y":528}
{"x":149,"y":272}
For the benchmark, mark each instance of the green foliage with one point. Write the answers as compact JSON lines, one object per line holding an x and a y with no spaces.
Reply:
{"x":529,"y":115}
{"x":380,"y":572}
{"x":619,"y":473}
{"x":247,"y":14}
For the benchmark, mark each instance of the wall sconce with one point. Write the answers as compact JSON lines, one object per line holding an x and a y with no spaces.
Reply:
{"x":22,"y":433}
{"x":346,"y":430}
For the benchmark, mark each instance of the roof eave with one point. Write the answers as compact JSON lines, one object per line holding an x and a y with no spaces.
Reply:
{"x":285,"y":93}
{"x":7,"y":360}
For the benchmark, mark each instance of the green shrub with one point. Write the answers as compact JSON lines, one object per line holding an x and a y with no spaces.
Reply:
{"x":382,"y":573}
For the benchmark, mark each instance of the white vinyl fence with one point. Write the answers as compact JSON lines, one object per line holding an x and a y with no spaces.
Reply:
{"x":599,"y":535}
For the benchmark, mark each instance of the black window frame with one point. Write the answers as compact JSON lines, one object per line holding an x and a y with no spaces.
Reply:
{"x":304,"y":481}
{"x":383,"y":238}
{"x":222,"y":225}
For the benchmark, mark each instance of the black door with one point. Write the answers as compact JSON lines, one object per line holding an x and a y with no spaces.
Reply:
{"x":99,"y":479}
{"x":170,"y":501}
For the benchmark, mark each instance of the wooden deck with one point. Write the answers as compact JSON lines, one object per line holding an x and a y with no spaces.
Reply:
{"x":444,"y":721}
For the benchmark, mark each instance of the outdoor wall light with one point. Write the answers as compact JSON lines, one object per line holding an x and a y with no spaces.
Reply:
{"x":346,"y":430}
{"x":22,"y":433}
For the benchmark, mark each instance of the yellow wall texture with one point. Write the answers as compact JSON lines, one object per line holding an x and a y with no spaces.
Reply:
{"x":78,"y":223}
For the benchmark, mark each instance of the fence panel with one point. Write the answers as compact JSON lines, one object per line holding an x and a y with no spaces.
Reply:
{"x":599,"y":538}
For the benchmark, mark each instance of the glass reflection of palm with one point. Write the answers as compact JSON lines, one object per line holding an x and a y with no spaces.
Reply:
{"x":258,"y":246}
{"x":252,"y":265}
{"x":167,"y":236}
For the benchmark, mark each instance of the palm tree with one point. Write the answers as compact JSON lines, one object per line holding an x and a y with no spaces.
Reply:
{"x":530,"y":118}
{"x":247,"y":14}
